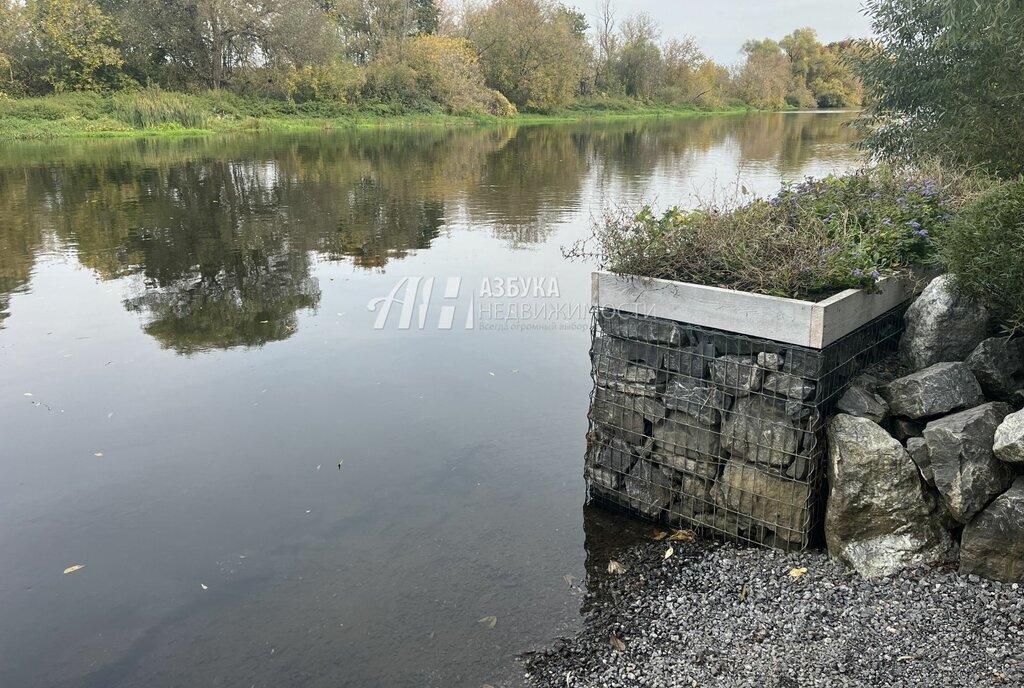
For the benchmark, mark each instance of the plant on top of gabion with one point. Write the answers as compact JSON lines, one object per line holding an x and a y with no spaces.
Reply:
{"x":810,"y":240}
{"x":984,"y":249}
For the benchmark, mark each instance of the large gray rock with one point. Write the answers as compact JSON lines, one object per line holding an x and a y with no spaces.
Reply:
{"x":648,"y":490}
{"x":788,"y":385}
{"x":704,"y":467}
{"x":942,"y":325}
{"x":939,"y":389}
{"x":775,"y":503}
{"x":625,"y":415}
{"x":863,"y":403}
{"x":690,"y":361}
{"x":612,"y":453}
{"x":683,"y":435}
{"x":1009,"y":439}
{"x":696,"y":398}
{"x":998,"y":363}
{"x":640,"y":327}
{"x":737,"y":375}
{"x":879,"y":518}
{"x":993,"y":543}
{"x":628,"y":351}
{"x":966,"y":472}
{"x":917,"y":448}
{"x":761,"y":431}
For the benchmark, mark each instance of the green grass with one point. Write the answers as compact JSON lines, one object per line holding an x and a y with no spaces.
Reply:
{"x":160,"y":113}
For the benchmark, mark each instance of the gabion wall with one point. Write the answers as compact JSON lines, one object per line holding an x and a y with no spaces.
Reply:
{"x":715,"y":431}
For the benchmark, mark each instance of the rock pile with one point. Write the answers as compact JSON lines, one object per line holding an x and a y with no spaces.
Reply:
{"x":707,"y":430}
{"x":936,"y":456}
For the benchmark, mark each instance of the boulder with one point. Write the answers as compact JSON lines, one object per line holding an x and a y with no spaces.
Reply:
{"x":648,"y":490}
{"x":863,"y":403}
{"x":966,"y":472}
{"x":691,"y":495}
{"x":690,"y":361}
{"x":612,"y":453}
{"x":625,"y":415}
{"x":737,"y":375}
{"x":938,"y":389}
{"x":628,"y":351}
{"x":942,"y":325}
{"x":993,"y":543}
{"x":778,"y":504}
{"x":705,"y":467}
{"x":696,"y":398}
{"x":879,"y":518}
{"x":998,"y":363}
{"x":769,"y":360}
{"x":1009,"y":439}
{"x":788,"y":385}
{"x":603,"y":480}
{"x":639,"y":327}
{"x":683,"y":435}
{"x":761,"y":431}
{"x":917,"y":448}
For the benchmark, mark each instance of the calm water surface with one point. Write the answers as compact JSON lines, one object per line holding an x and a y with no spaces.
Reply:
{"x":264,"y":489}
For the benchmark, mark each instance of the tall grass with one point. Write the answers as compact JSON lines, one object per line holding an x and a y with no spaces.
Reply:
{"x":155,"y":108}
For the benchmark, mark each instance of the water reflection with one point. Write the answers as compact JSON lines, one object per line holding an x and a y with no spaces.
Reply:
{"x":214,"y":239}
{"x":221,"y":542}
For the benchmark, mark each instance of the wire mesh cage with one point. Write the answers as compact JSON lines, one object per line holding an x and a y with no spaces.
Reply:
{"x":715,"y":431}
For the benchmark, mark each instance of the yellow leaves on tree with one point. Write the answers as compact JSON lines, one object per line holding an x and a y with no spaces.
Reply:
{"x":80,"y":42}
{"x":448,"y":72}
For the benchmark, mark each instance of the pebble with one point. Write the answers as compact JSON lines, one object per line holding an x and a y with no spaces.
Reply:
{"x":685,"y":622}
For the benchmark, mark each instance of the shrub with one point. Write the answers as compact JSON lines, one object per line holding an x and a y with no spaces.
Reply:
{"x":154,"y":108}
{"x":984,"y":248}
{"x":335,"y":82}
{"x":812,"y":238}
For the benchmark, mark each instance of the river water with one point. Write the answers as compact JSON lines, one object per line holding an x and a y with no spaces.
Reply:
{"x":267,"y":483}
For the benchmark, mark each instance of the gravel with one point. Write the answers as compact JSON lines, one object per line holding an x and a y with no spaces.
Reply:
{"x":723,"y":615}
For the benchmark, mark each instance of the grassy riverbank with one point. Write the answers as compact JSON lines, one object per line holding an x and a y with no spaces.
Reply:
{"x":154,"y":113}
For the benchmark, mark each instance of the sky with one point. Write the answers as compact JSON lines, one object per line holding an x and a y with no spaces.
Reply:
{"x":721,"y":26}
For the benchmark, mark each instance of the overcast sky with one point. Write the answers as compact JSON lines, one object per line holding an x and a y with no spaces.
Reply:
{"x":721,"y":26}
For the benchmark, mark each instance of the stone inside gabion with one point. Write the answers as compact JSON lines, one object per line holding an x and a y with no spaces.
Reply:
{"x":715,"y":431}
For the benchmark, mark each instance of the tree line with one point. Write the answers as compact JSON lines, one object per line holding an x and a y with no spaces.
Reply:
{"x":491,"y":56}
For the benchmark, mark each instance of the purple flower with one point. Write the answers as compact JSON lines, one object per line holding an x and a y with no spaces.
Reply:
{"x":921,"y":232}
{"x":886,"y":222}
{"x":875,"y":274}
{"x":901,"y":200}
{"x":914,"y":224}
{"x":858,"y":273}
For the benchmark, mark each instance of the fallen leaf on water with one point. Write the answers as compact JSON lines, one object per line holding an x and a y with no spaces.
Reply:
{"x":203,"y":586}
{"x":617,"y":643}
{"x":76,"y":567}
{"x":669,"y":552}
{"x":568,"y":579}
{"x":659,"y":535}
{"x":491,"y":374}
{"x":98,"y":454}
{"x":796,"y":573}
{"x":682,"y":536}
{"x":489,"y":621}
{"x":615,"y":567}
{"x":27,"y":394}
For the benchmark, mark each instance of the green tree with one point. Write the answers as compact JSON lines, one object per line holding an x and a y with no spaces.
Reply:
{"x":765,"y":79}
{"x":79,"y":43}
{"x":945,"y":80}
{"x":639,"y":63}
{"x":535,"y":52}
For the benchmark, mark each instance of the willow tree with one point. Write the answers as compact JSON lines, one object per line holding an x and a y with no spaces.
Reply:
{"x":945,"y":81}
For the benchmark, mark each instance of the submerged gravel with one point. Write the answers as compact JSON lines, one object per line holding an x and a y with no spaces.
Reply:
{"x":731,"y":616}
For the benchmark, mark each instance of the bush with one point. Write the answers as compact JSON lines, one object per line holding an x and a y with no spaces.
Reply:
{"x":336,"y":82}
{"x":984,"y":248}
{"x":811,"y":239}
{"x":155,"y":108}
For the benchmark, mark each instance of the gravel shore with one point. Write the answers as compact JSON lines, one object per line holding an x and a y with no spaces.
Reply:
{"x":721,"y":615}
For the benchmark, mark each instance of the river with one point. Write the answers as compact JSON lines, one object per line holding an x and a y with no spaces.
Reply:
{"x":267,"y":483}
